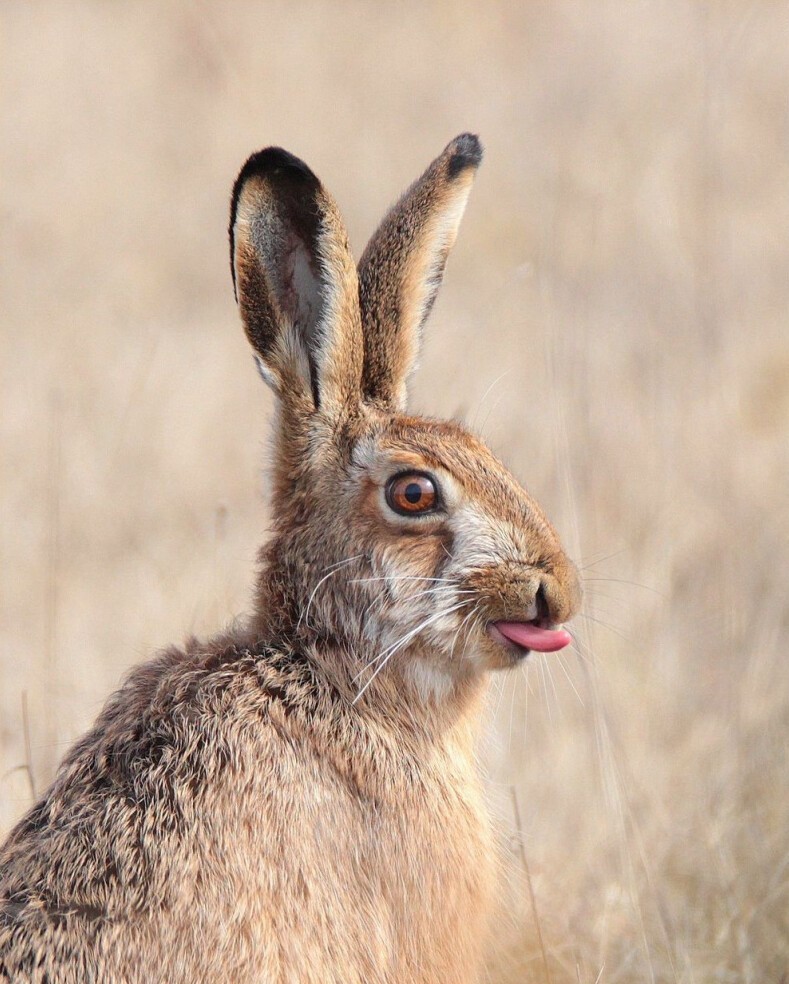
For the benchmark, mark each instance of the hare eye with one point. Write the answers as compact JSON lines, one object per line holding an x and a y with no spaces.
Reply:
{"x":412,"y":493}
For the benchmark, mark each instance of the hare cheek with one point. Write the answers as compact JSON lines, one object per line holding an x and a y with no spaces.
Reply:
{"x":409,"y":565}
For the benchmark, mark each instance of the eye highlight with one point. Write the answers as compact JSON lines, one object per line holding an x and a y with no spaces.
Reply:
{"x":412,"y":494}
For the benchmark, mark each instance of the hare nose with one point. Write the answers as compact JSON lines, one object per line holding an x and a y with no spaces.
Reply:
{"x":556,"y":599}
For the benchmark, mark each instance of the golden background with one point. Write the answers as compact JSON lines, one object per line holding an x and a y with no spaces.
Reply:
{"x":613,"y":322}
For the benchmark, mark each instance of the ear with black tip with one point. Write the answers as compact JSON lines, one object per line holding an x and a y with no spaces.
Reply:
{"x":402,"y":268}
{"x":296,"y":282}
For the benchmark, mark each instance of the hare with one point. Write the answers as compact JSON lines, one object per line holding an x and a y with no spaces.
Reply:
{"x":297,"y":800}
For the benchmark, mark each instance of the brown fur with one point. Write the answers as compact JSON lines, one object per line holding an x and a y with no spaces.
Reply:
{"x":401,"y":269}
{"x":297,"y":801}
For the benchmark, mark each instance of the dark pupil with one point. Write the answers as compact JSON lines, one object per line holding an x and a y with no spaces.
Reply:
{"x":413,"y":493}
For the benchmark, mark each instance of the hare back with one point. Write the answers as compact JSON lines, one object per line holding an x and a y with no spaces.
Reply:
{"x":231,"y":817}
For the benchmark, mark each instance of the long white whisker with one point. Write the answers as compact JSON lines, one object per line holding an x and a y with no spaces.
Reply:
{"x":341,"y":563}
{"x":498,"y":379}
{"x":541,"y":664}
{"x":549,"y":671}
{"x":579,"y":652}
{"x":605,"y":625}
{"x":401,"y":577}
{"x":411,"y":633}
{"x":383,"y":596}
{"x":500,"y":679}
{"x":460,"y":629}
{"x":512,"y":713}
{"x":569,"y":678}
{"x":387,"y":654}
{"x":585,"y":564}
{"x":335,"y":568}
{"x":622,"y":580}
{"x":475,"y":611}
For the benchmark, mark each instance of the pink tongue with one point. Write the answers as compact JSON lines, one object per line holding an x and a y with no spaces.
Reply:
{"x":533,"y":637}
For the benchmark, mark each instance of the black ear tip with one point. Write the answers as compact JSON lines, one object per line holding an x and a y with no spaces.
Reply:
{"x":268,"y":162}
{"x":465,"y":151}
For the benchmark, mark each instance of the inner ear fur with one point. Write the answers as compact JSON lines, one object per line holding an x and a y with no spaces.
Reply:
{"x":402,"y":268}
{"x":295,"y":282}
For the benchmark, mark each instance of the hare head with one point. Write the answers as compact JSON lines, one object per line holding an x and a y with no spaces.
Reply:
{"x":399,"y":539}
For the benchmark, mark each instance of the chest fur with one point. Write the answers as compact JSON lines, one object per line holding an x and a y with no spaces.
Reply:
{"x":337,"y":885}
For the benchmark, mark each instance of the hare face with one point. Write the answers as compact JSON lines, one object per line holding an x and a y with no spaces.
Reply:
{"x":471,"y":549}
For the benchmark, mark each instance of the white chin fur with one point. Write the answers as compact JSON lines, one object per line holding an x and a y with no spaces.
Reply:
{"x":431,"y":682}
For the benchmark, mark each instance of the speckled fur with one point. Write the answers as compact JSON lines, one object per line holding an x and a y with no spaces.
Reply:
{"x":282,"y":804}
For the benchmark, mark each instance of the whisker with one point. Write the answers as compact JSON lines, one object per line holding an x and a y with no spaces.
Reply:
{"x":340,"y":563}
{"x":569,"y":679}
{"x":412,"y":632}
{"x":528,"y":694}
{"x":384,"y":596}
{"x":335,"y":569}
{"x":549,"y":670}
{"x":401,"y":577}
{"x":605,"y":625}
{"x":475,"y":611}
{"x":500,"y":680}
{"x":541,"y":665}
{"x":490,"y":411}
{"x":387,"y":654}
{"x":497,"y":380}
{"x":623,"y":580}
{"x":595,"y":592}
{"x":512,"y":715}
{"x":594,"y":563}
{"x":597,"y":611}
{"x":577,"y":648}
{"x":460,"y":629}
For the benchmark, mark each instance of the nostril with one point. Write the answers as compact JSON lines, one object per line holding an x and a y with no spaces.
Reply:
{"x":543,"y":609}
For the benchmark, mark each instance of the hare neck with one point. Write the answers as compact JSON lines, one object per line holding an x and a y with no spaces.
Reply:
{"x":321,"y":612}
{"x":409,"y":690}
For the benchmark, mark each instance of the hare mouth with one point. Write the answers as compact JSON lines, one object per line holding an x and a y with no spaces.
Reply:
{"x":528,"y":636}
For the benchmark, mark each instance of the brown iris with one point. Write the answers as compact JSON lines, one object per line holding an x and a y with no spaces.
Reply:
{"x":411,"y":493}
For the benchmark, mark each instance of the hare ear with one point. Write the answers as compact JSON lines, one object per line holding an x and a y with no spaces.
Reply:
{"x":296,"y":282}
{"x":402,"y":268}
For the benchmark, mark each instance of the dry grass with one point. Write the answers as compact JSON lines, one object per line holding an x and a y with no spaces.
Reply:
{"x":614,"y":321}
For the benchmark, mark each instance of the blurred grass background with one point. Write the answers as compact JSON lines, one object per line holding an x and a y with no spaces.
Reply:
{"x":613,"y":321}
